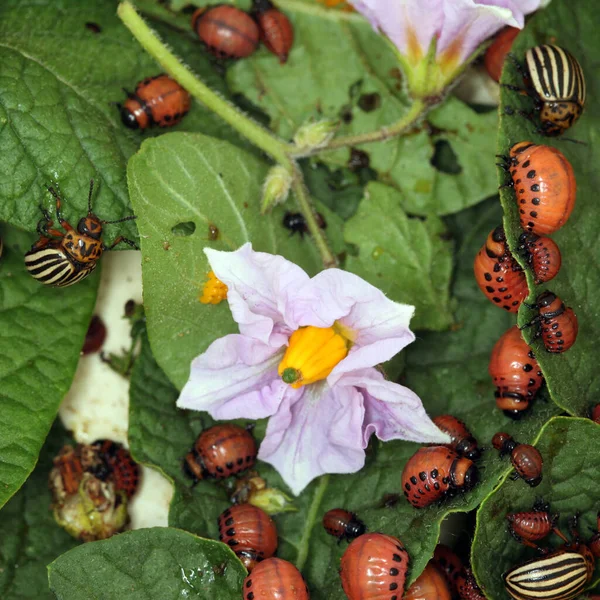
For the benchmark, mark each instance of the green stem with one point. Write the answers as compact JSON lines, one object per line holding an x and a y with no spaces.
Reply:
{"x":416,"y":112}
{"x":251,"y":130}
{"x":311,"y":517}
{"x":305,"y":205}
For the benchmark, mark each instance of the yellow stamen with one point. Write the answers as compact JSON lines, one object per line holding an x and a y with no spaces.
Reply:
{"x":312,"y":354}
{"x":214,"y":290}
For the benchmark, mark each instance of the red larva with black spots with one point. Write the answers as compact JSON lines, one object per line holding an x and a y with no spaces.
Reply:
{"x":543,"y":255}
{"x":430,"y":473}
{"x":498,"y":274}
{"x":275,"y":579}
{"x":516,"y":373}
{"x":544,"y":184}
{"x":219,"y":452}
{"x":526,"y":459}
{"x":463,"y":441}
{"x":250,"y":533}
{"x":450,"y":565}
{"x":276,"y":31}
{"x":374,"y":567}
{"x":558,"y":324}
{"x":531,"y":526}
{"x":343,"y":524}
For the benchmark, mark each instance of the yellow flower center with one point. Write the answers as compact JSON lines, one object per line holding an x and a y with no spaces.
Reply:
{"x":214,"y":290}
{"x":312,"y":354}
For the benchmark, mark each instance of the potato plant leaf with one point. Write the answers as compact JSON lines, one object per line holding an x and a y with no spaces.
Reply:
{"x":572,"y":377}
{"x":41,"y":334}
{"x":159,"y":562}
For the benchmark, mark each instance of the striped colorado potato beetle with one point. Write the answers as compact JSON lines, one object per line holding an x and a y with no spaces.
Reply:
{"x":431,"y":473}
{"x":558,"y":325}
{"x":463,"y":441}
{"x":515,"y":372}
{"x":157,"y":100}
{"x":275,"y":579}
{"x":560,"y":575}
{"x":555,"y":82}
{"x":373,"y":567}
{"x":226,"y":31}
{"x":62,"y":259}
{"x":219,"y":452}
{"x":250,"y":533}
{"x":343,"y":524}
{"x":498,"y":274}
{"x":544,"y":185}
{"x":526,"y":459}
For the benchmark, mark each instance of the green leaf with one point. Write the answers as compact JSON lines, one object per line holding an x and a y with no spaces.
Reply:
{"x":209,"y":182}
{"x":571,"y":377}
{"x":448,"y":370}
{"x":408,"y":259}
{"x":570,"y":484}
{"x":148,"y":563}
{"x":59,"y":82}
{"x":29,"y":536}
{"x":363,"y":88}
{"x":41,"y":334}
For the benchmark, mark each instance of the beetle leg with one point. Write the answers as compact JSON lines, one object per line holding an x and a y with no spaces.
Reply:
{"x":560,"y":534}
{"x":63,"y":223}
{"x":514,"y":476}
{"x":120,"y":240}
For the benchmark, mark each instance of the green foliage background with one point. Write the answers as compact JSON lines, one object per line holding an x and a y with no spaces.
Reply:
{"x":409,"y":220}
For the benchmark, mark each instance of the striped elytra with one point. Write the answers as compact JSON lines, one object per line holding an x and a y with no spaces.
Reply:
{"x":498,"y":274}
{"x":558,"y":324}
{"x":374,"y":567}
{"x":431,"y":584}
{"x":544,"y":184}
{"x":543,"y":255}
{"x":219,"y":452}
{"x":275,"y":579}
{"x":343,"y":524}
{"x":557,"y":78}
{"x":532,"y":526}
{"x":561,"y":575}
{"x":226,"y":31}
{"x":515,"y":372}
{"x":430,"y":473}
{"x":250,"y":533}
{"x":62,"y":258}
{"x":463,"y":441}
{"x":526,"y":460}
{"x":157,"y":100}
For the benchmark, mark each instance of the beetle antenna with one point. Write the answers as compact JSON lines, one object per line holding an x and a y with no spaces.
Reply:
{"x":129,"y":218}
{"x":90,"y":197}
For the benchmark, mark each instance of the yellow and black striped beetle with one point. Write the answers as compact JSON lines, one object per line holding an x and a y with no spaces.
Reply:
{"x":554,"y":80}
{"x":62,"y":259}
{"x":561,"y":575}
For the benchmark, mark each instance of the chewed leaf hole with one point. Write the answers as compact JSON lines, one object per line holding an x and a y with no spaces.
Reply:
{"x":184,"y":229}
{"x":444,"y":159}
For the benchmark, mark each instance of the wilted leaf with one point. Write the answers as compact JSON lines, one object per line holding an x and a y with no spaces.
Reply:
{"x":41,"y":334}
{"x":409,"y":259}
{"x":209,"y":183}
{"x":148,"y":563}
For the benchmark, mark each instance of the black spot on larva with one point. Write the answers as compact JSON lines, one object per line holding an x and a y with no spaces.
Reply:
{"x":407,"y":486}
{"x":436,"y":485}
{"x":522,"y":191}
{"x":240,"y":461}
{"x":230,"y":531}
{"x":250,"y":596}
{"x":531,"y":174}
{"x":434,"y":473}
{"x":508,"y":296}
{"x":249,"y":583}
{"x":232,"y":543}
{"x":499,"y":279}
{"x":561,"y":342}
{"x":531,"y":224}
{"x":558,"y":334}
{"x":427,"y":487}
{"x":532,"y":382}
{"x":396,"y":558}
{"x":413,"y":480}
{"x":535,"y":187}
{"x":229,"y":522}
{"x":503,"y":289}
{"x":422,"y":476}
{"x":527,"y":368}
{"x":489,"y":288}
{"x":177,"y":116}
{"x":219,"y":469}
{"x":393,"y":571}
{"x":497,"y":268}
{"x":445,"y":480}
{"x":229,"y":465}
{"x":393,"y":586}
{"x":515,"y":303}
{"x":421,"y":492}
{"x":488,"y":277}
{"x":554,"y":325}
{"x":168,"y":118}
{"x":496,"y":300}
{"x":521,"y":211}
{"x":533,"y":214}
{"x":535,"y":201}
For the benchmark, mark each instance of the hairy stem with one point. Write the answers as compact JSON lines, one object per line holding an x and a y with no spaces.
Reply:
{"x":416,"y":112}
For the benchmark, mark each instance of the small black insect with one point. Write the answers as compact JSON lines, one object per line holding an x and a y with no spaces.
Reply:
{"x":296,"y":222}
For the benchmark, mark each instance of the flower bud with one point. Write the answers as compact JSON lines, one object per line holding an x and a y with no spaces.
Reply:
{"x":275,"y":188}
{"x":272,"y":501}
{"x":315,"y":135}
